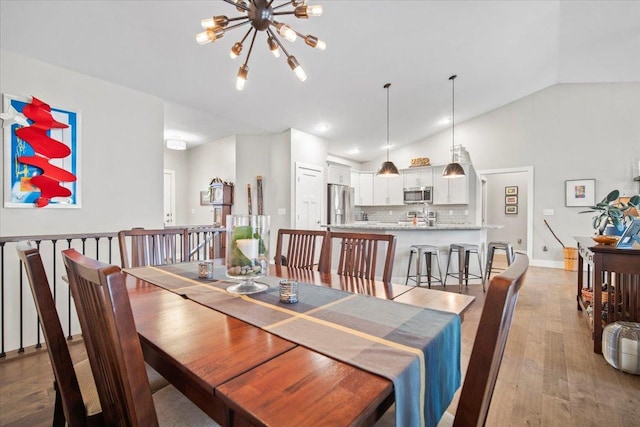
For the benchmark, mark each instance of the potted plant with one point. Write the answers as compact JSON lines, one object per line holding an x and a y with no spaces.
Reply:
{"x":612,"y":213}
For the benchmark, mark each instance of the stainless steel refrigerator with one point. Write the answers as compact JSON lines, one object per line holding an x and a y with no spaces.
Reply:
{"x":340,"y":202}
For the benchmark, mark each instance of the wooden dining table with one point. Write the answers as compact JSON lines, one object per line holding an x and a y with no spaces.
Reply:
{"x":227,"y":366}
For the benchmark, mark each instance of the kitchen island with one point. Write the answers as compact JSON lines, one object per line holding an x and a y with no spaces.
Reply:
{"x":407,"y":234}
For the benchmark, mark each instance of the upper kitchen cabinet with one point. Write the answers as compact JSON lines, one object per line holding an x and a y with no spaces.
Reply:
{"x":338,"y":174}
{"x":417,"y":177}
{"x":362,"y":182}
{"x":387,"y":191}
{"x":453,"y":191}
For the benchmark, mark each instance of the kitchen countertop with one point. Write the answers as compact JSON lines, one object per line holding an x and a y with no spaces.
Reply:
{"x":373,"y":225}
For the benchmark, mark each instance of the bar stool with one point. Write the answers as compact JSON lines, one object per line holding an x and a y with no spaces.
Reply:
{"x":491,"y":248}
{"x":428,"y":251}
{"x":464,"y":251}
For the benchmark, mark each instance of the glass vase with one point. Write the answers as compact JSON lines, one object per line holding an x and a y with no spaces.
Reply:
{"x":247,"y":252}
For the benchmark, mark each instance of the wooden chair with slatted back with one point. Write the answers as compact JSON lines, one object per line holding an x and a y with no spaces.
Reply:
{"x":107,"y":323}
{"x":359,"y":253}
{"x":304,"y":248}
{"x":488,"y":348}
{"x":76,"y":398}
{"x":153,"y":247}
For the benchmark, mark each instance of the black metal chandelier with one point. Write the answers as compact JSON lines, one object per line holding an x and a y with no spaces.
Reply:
{"x":261,"y":14}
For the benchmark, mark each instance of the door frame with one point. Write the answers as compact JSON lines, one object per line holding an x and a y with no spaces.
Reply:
{"x":529,"y":171}
{"x":172,"y":194}
{"x":298,"y":166}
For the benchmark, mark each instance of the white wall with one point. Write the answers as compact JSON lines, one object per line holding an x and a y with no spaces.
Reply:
{"x":567,"y":131}
{"x":121,"y":150}
{"x":216,"y":159}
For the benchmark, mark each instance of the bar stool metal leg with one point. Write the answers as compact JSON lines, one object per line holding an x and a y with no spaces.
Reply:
{"x":409,"y":266}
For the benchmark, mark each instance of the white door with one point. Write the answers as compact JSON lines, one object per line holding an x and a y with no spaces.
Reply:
{"x":309,"y":192}
{"x":169,"y":197}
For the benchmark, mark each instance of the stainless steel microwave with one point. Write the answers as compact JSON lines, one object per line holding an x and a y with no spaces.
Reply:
{"x":418,"y":195}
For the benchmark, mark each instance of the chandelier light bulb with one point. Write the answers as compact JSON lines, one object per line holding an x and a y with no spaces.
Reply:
{"x":216,"y":21}
{"x":313,"y":41}
{"x":236,"y":50}
{"x":295,"y":66}
{"x":209,"y":36}
{"x":242,"y":77}
{"x":287,"y":32}
{"x":273,"y":47}
{"x":315,"y":10}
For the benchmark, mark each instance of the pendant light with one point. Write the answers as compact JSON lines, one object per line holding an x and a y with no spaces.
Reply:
{"x":453,"y":169}
{"x":388,"y":168}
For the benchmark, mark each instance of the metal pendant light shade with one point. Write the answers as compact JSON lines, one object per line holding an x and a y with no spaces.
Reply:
{"x":453,"y":169}
{"x":388,"y":168}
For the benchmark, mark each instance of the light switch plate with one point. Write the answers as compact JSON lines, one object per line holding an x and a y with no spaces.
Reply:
{"x":282,"y":211}
{"x":547,"y":212}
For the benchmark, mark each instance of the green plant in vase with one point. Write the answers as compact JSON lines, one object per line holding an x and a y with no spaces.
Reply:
{"x":612,"y":212}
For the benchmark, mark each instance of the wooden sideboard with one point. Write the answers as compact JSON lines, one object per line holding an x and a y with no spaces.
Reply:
{"x":620,"y":269}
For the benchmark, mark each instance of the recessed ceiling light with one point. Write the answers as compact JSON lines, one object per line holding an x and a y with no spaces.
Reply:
{"x":445,"y":121}
{"x":322,"y":127}
{"x":354,"y":151}
{"x":176,"y":144}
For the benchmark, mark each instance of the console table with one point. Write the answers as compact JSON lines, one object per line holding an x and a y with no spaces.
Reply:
{"x":620,"y":269}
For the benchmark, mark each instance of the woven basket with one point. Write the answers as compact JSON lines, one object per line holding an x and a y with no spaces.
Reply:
{"x":587,"y":295}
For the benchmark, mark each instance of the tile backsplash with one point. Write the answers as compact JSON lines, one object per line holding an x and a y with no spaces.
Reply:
{"x":450,"y":214}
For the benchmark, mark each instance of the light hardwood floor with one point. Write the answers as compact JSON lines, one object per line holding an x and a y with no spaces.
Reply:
{"x":549,"y":377}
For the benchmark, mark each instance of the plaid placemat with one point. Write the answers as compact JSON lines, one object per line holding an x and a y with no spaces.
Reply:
{"x":417,"y":348}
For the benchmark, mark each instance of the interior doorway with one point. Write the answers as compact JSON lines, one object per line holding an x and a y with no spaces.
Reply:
{"x":308,"y":197}
{"x":169,"y":181}
{"x":507,"y":201}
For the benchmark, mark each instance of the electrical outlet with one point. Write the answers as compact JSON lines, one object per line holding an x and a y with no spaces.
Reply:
{"x":390,"y":212}
{"x":547,"y":212}
{"x":282,"y":211}
{"x":450,"y":212}
{"x":466,"y":211}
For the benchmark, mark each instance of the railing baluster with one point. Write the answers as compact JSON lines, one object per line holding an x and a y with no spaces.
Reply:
{"x":97,"y":247}
{"x":69,"y":337}
{"x":38,"y":344}
{"x":21,"y":348}
{"x":110,"y":247}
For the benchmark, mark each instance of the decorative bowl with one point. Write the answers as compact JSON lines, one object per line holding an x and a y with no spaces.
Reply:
{"x":606,"y":240}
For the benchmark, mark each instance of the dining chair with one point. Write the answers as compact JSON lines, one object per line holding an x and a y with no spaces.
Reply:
{"x":153,"y":247}
{"x":114,"y":350}
{"x":488,"y":348}
{"x":303,"y":248}
{"x":359,"y":254}
{"x":76,"y":398}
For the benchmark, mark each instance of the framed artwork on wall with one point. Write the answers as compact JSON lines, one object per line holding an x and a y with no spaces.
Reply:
{"x":511,"y":200}
{"x":580,"y":192}
{"x":511,"y":209}
{"x":511,"y":190}
{"x":42,"y":154}
{"x":204,"y":198}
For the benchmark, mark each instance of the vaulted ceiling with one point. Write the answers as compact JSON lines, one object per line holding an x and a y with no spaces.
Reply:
{"x":500,"y":50}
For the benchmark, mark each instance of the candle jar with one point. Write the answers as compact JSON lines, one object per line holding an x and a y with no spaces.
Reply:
{"x":288,"y":291}
{"x":247,"y":252}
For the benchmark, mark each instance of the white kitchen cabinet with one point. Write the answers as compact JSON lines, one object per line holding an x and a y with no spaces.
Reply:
{"x":417,"y":177}
{"x":362,"y":182}
{"x":387,"y":191}
{"x":338,"y":174}
{"x":451,"y":191}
